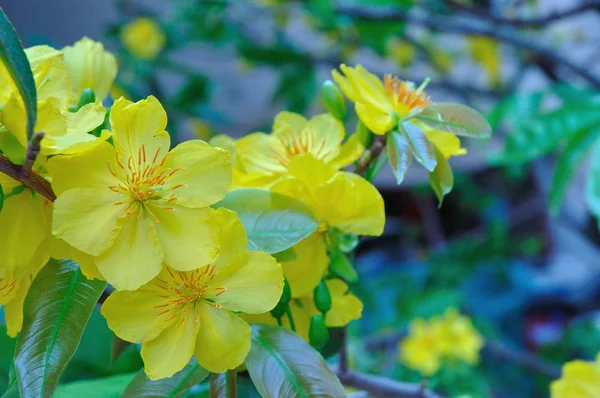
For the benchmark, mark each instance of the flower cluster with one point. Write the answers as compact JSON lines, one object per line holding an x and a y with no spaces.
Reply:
{"x":449,"y":337}
{"x":580,"y":379}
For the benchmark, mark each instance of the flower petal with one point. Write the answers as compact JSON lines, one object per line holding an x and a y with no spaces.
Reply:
{"x":305,"y":272}
{"x":253,"y":283}
{"x":88,"y":218}
{"x":377,"y":120}
{"x":133,"y":315}
{"x":345,"y":306}
{"x":13,"y":310}
{"x":61,"y":249}
{"x":168,"y":353}
{"x":447,"y":143}
{"x":262,"y":153}
{"x":327,"y":134}
{"x":136,"y":255}
{"x":349,"y":152}
{"x":223,"y":341}
{"x":288,"y":123}
{"x":205,"y":170}
{"x":232,"y":236}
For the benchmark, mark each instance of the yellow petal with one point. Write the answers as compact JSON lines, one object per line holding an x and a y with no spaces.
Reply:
{"x":90,"y":66}
{"x":262,"y":153}
{"x":24,"y":220}
{"x":168,"y":353}
{"x":288,"y":123}
{"x":232,"y":236}
{"x":345,"y":306}
{"x":368,"y":86}
{"x":311,"y":171}
{"x":305,"y":272}
{"x":88,"y":218}
{"x":137,"y":124}
{"x":88,"y":169}
{"x":253,"y":283}
{"x":327,"y":134}
{"x":13,"y":310}
{"x":135,"y":256}
{"x":205,"y":170}
{"x":189,"y":237}
{"x":376,"y":119}
{"x":51,"y":74}
{"x":223,"y":341}
{"x":61,"y":249}
{"x":8,"y":183}
{"x":133,"y":315}
{"x":50,"y":120}
{"x":447,"y":143}
{"x":346,"y":86}
{"x":14,"y":118}
{"x":350,"y":151}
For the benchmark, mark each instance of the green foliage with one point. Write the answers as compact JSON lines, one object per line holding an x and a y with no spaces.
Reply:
{"x":14,"y":58}
{"x":399,"y":154}
{"x":273,"y":222}
{"x":56,"y":310}
{"x":441,"y":178}
{"x":456,"y":119}
{"x":592,"y":192}
{"x":281,"y":363}
{"x":342,"y":267}
{"x":420,"y":146}
{"x":174,"y":387}
{"x":223,"y":385}
{"x":107,"y":387}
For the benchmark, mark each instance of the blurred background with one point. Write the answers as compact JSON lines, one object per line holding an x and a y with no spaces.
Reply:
{"x":515,"y":245}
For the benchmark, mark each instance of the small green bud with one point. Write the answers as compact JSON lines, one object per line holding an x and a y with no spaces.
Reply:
{"x":87,"y":97}
{"x":318,"y":334}
{"x":279,"y":310}
{"x":286,"y":296}
{"x":322,"y":297}
{"x":334,"y":100}
{"x":365,"y":136}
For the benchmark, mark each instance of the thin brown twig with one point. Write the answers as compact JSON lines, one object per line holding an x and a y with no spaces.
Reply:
{"x":383,"y":387}
{"x":27,"y":177}
{"x":371,"y":155}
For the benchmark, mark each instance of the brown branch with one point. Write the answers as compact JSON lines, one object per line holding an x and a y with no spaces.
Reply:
{"x":371,"y":155}
{"x":25,"y":176}
{"x":536,"y":21}
{"x":445,"y":24}
{"x":383,"y":387}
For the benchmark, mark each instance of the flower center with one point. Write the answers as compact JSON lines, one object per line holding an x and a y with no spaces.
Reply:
{"x":404,"y":93}
{"x":144,"y":178}
{"x":7,"y":286}
{"x":185,"y":291}
{"x":306,"y":141}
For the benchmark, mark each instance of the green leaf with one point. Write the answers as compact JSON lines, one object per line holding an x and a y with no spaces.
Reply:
{"x":223,"y":385}
{"x":1,"y":198}
{"x":173,"y":387}
{"x":273,"y":222}
{"x":106,"y":387}
{"x":399,"y":154}
{"x":441,"y":178}
{"x":341,"y":266}
{"x":282,"y":364}
{"x":592,"y":193}
{"x":17,"y":65}
{"x":568,"y":162}
{"x":286,"y":255}
{"x":420,"y":146}
{"x":56,"y":310}
{"x":456,"y":119}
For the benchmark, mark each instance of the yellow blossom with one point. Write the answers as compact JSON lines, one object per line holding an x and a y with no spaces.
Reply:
{"x":266,"y":157}
{"x":12,"y":297}
{"x":345,"y":307}
{"x":402,"y":51}
{"x":380,"y":105}
{"x":580,"y":379}
{"x":486,"y":52}
{"x":90,"y":66}
{"x":143,"y":38}
{"x":447,"y":143}
{"x":136,"y":204}
{"x":340,"y":200}
{"x":457,"y":337}
{"x":420,"y":350}
{"x":180,"y":314}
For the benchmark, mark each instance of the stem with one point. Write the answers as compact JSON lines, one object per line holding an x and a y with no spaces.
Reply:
{"x":28,"y":178}
{"x":383,"y":387}
{"x":372,"y":155}
{"x":288,"y":312}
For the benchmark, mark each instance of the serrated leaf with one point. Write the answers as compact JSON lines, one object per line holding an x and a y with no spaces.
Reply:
{"x":456,"y":119}
{"x":223,"y":385}
{"x":399,"y":154}
{"x":281,"y":364}
{"x":173,"y":387}
{"x":420,"y":146}
{"x":57,"y":308}
{"x":441,"y":178}
{"x":273,"y":222}
{"x":14,"y":58}
{"x":568,"y":162}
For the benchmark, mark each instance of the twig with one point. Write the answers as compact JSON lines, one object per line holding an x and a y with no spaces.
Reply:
{"x":25,"y":176}
{"x":537,"y":20}
{"x":383,"y":387}
{"x":372,"y":154}
{"x":445,"y":24}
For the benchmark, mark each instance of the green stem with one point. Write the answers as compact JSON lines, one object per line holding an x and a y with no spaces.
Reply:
{"x":288,"y":312}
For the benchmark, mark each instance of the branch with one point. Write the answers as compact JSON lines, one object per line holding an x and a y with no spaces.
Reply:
{"x":447,"y":25}
{"x":383,"y":387}
{"x":372,"y":154}
{"x":538,"y":20}
{"x":25,"y":176}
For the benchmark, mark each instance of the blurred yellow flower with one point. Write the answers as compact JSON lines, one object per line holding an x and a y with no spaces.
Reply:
{"x":90,"y":66}
{"x":580,"y":379}
{"x":447,"y":337}
{"x":380,"y":105}
{"x":448,"y":143}
{"x":136,"y":204}
{"x":143,"y":38}
{"x":180,"y":314}
{"x":345,"y":307}
{"x":340,"y":200}
{"x":401,"y":51}
{"x":486,"y":52}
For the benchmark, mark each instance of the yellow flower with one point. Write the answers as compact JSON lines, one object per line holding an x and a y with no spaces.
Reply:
{"x":402,"y":51}
{"x":268,"y":156}
{"x":91,"y":67}
{"x":345,"y":307}
{"x":340,"y":200}
{"x":179,"y":314}
{"x":143,"y":38}
{"x":430,"y":342}
{"x":12,"y":297}
{"x":580,"y":379}
{"x":379,"y":105}
{"x":486,"y":52}
{"x":66,"y":132}
{"x":137,"y":205}
{"x":447,"y":143}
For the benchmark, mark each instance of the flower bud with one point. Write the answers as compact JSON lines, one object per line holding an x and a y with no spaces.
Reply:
{"x":322,"y":297}
{"x":334,"y":100}
{"x":87,"y":97}
{"x":318,"y":334}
